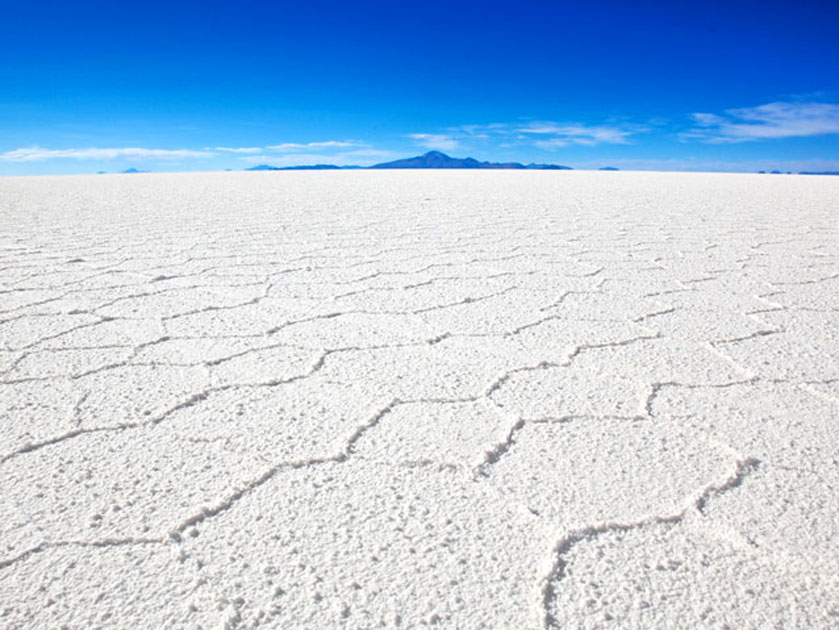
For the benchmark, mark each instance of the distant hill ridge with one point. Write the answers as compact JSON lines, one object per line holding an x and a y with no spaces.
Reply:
{"x":436,"y":159}
{"x":432,"y":159}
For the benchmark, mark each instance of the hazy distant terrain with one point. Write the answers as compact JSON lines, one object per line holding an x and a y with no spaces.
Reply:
{"x":506,"y":399}
{"x":431,"y":159}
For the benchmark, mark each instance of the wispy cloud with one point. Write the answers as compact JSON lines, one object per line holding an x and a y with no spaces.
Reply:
{"x":37,"y":154}
{"x":356,"y":157}
{"x":238,"y":149}
{"x":691,"y":164}
{"x":370,"y":154}
{"x":444,"y":142}
{"x":765,"y":122}
{"x":587,"y":135}
{"x":308,"y":146}
{"x":547,"y":135}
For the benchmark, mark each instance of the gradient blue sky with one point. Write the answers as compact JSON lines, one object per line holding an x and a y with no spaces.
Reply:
{"x":87,"y":86}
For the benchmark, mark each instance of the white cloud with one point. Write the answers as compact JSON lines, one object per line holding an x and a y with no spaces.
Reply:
{"x":690,"y":164}
{"x":329,"y":144}
{"x":769,"y":121}
{"x":587,"y":135}
{"x":37,"y":154}
{"x":238,"y":149}
{"x":439,"y":141}
{"x":481,"y":130}
{"x":368,"y":154}
{"x":256,"y":159}
{"x":358,"y":157}
{"x":546,"y":135}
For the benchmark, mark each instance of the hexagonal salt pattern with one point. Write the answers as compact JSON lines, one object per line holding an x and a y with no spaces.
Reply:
{"x":395,"y":399}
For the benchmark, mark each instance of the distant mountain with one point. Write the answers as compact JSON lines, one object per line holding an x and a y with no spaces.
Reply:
{"x":819,"y":173}
{"x":432,"y":159}
{"x":133,"y":170}
{"x":436,"y":159}
{"x":608,"y":168}
{"x":536,"y":167}
{"x":309,"y":167}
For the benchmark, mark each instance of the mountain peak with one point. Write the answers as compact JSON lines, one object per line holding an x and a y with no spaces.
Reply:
{"x":438,"y":159}
{"x":432,"y":159}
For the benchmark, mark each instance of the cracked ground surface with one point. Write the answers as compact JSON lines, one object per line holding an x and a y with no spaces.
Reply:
{"x":395,"y":399}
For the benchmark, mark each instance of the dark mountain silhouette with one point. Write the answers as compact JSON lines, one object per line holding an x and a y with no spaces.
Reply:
{"x":432,"y":159}
{"x":311,"y":167}
{"x":436,"y":159}
{"x":305,"y":167}
{"x":608,"y":168}
{"x":819,"y":173}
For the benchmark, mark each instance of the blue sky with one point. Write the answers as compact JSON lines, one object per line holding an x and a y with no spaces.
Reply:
{"x":88,"y":86}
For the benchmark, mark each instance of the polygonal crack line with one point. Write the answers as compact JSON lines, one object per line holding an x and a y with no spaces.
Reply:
{"x":13,"y":365}
{"x":212,"y":309}
{"x":233,"y":498}
{"x":18,"y":316}
{"x":107,"y":542}
{"x":66,"y":332}
{"x":467,"y":300}
{"x":754,"y":315}
{"x":742,"y":469}
{"x":318,"y":363}
{"x":192,"y":400}
{"x":128,"y":361}
{"x":580,"y":349}
{"x":656,"y":388}
{"x":748,"y":375}
{"x":833,"y":276}
{"x":573,"y":417}
{"x":139,"y":284}
{"x":562,"y":298}
{"x":533,"y":324}
{"x":377,"y":274}
{"x":429,"y":282}
{"x":754,"y":335}
{"x":342,"y":457}
{"x":764,"y":297}
{"x":189,"y":402}
{"x":646,"y":316}
{"x":494,"y":454}
{"x":226,"y":504}
{"x":49,"y":287}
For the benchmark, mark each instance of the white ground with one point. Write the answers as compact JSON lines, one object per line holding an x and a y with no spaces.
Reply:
{"x":384,"y":399}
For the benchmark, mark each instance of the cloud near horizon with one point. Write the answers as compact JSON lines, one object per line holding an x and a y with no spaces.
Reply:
{"x":237,"y":149}
{"x":308,"y":146}
{"x":765,"y":122}
{"x":37,"y":154}
{"x":356,"y":157}
{"x":545,"y":135}
{"x":587,"y":135}
{"x":440,"y":141}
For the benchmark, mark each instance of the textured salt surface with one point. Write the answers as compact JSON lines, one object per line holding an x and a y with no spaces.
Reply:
{"x":465,"y":399}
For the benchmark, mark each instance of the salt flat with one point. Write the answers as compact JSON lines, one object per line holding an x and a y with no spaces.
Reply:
{"x":403,"y":399}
